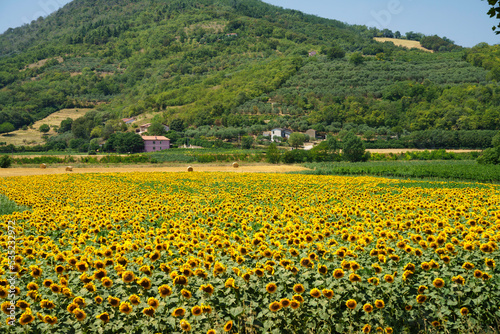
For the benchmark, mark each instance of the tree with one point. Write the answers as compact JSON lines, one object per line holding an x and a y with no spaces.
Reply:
{"x":491,"y":156}
{"x":335,"y":52}
{"x":124,"y":142}
{"x":5,"y":161}
{"x":273,"y":154}
{"x":156,"y":129}
{"x":44,"y":128}
{"x":177,"y":125}
{"x":353,"y":148}
{"x":6,"y":127}
{"x":356,"y":59}
{"x":296,"y":139}
{"x":65,"y":125}
{"x":495,"y":12}
{"x":247,"y":142}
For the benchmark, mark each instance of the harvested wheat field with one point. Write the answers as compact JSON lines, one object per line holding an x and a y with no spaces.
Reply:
{"x":229,"y":168}
{"x":34,"y":136}
{"x":403,"y":42}
{"x":404,"y":150}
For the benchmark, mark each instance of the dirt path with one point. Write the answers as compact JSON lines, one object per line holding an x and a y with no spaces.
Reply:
{"x":124,"y":169}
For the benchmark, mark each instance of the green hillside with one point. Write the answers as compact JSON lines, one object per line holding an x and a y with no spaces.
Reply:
{"x":234,"y":63}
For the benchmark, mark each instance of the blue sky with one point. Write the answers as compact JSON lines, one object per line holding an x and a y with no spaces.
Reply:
{"x":463,"y":21}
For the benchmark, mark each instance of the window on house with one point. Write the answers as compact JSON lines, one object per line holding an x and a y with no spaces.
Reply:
{"x":160,"y":143}
{"x":154,"y":148}
{"x":154,"y":142}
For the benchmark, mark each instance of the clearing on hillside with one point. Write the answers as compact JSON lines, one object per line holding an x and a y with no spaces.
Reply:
{"x":403,"y":42}
{"x":34,"y":136}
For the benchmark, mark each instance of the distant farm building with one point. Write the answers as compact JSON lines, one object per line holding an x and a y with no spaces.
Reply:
{"x":312,"y":53}
{"x":311,"y":133}
{"x":155,"y":143}
{"x":128,"y":120}
{"x":280,"y":132}
{"x":144,"y":128}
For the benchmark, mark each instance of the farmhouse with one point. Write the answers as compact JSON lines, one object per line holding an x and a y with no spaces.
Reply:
{"x":155,"y":143}
{"x":144,"y":128}
{"x":280,"y":132}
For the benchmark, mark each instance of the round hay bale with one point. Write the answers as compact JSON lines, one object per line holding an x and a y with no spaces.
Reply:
{"x":43,"y":166}
{"x":69,"y":169}
{"x":190,"y":169}
{"x":235,"y":165}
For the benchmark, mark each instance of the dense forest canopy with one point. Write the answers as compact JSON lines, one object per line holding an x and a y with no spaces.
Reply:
{"x":238,"y":64}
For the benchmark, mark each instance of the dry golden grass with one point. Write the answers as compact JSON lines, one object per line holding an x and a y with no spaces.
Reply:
{"x":4,"y":172}
{"x":402,"y":42}
{"x":34,"y":136}
{"x":40,"y":63}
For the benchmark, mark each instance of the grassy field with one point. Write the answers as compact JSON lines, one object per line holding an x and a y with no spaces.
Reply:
{"x":468,"y":170}
{"x":403,"y":42}
{"x":34,"y":136}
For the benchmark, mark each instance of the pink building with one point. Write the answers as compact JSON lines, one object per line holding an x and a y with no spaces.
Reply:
{"x":155,"y":143}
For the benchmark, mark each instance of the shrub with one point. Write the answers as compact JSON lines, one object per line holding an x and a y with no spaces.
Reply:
{"x":5,"y":161}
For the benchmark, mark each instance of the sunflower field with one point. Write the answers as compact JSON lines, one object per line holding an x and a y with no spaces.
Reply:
{"x":248,"y":253}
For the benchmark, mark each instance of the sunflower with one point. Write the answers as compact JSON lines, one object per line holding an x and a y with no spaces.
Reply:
{"x":425,"y":266}
{"x":298,"y":288}
{"x":134,"y":299}
{"x":389,"y":278}
{"x":468,"y":266}
{"x":145,"y":283}
{"x":230,"y":283}
{"x":211,"y":331}
{"x":438,"y":283}
{"x":164,"y":290}
{"x":104,"y":317}
{"x":149,"y":311}
{"x":179,"y":312}
{"x":389,"y":330}
{"x":180,"y":280}
{"x":421,"y":289}
{"x":47,"y":283}
{"x":197,"y":310}
{"x":315,"y":293}
{"x":368,"y":308}
{"x":421,"y":299}
{"x":51,"y":320}
{"x":228,"y":326}
{"x":298,"y":298}
{"x":379,"y":303}
{"x":71,"y":307}
{"x":367,"y":328}
{"x":275,"y":306}
{"x":338,"y":273}
{"x":351,"y":303}
{"x":294,"y":304}
{"x":435,"y":323}
{"x":59,"y":269}
{"x":32,"y":286}
{"x":153,"y":302}
{"x":80,"y":314}
{"x":306,"y":262}
{"x":322,"y":269}
{"x":22,"y":304}
{"x":478,"y":273}
{"x":489,"y":262}
{"x":354,"y":277}
{"x":408,"y":307}
{"x":185,"y":326}
{"x":128,"y":277}
{"x":373,"y":280}
{"x":285,"y":302}
{"x":271,"y":288}
{"x":113,"y":301}
{"x":82,"y":266}
{"x":98,"y":299}
{"x":125,"y":308}
{"x":464,"y":311}
{"x":458,"y":279}
{"x":327,"y":293}
{"x":26,"y":318}
{"x":107,"y":282}
{"x":36,"y":271}
{"x":48,"y":304}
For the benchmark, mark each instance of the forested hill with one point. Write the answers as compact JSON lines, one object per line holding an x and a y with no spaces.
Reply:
{"x":237,"y":63}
